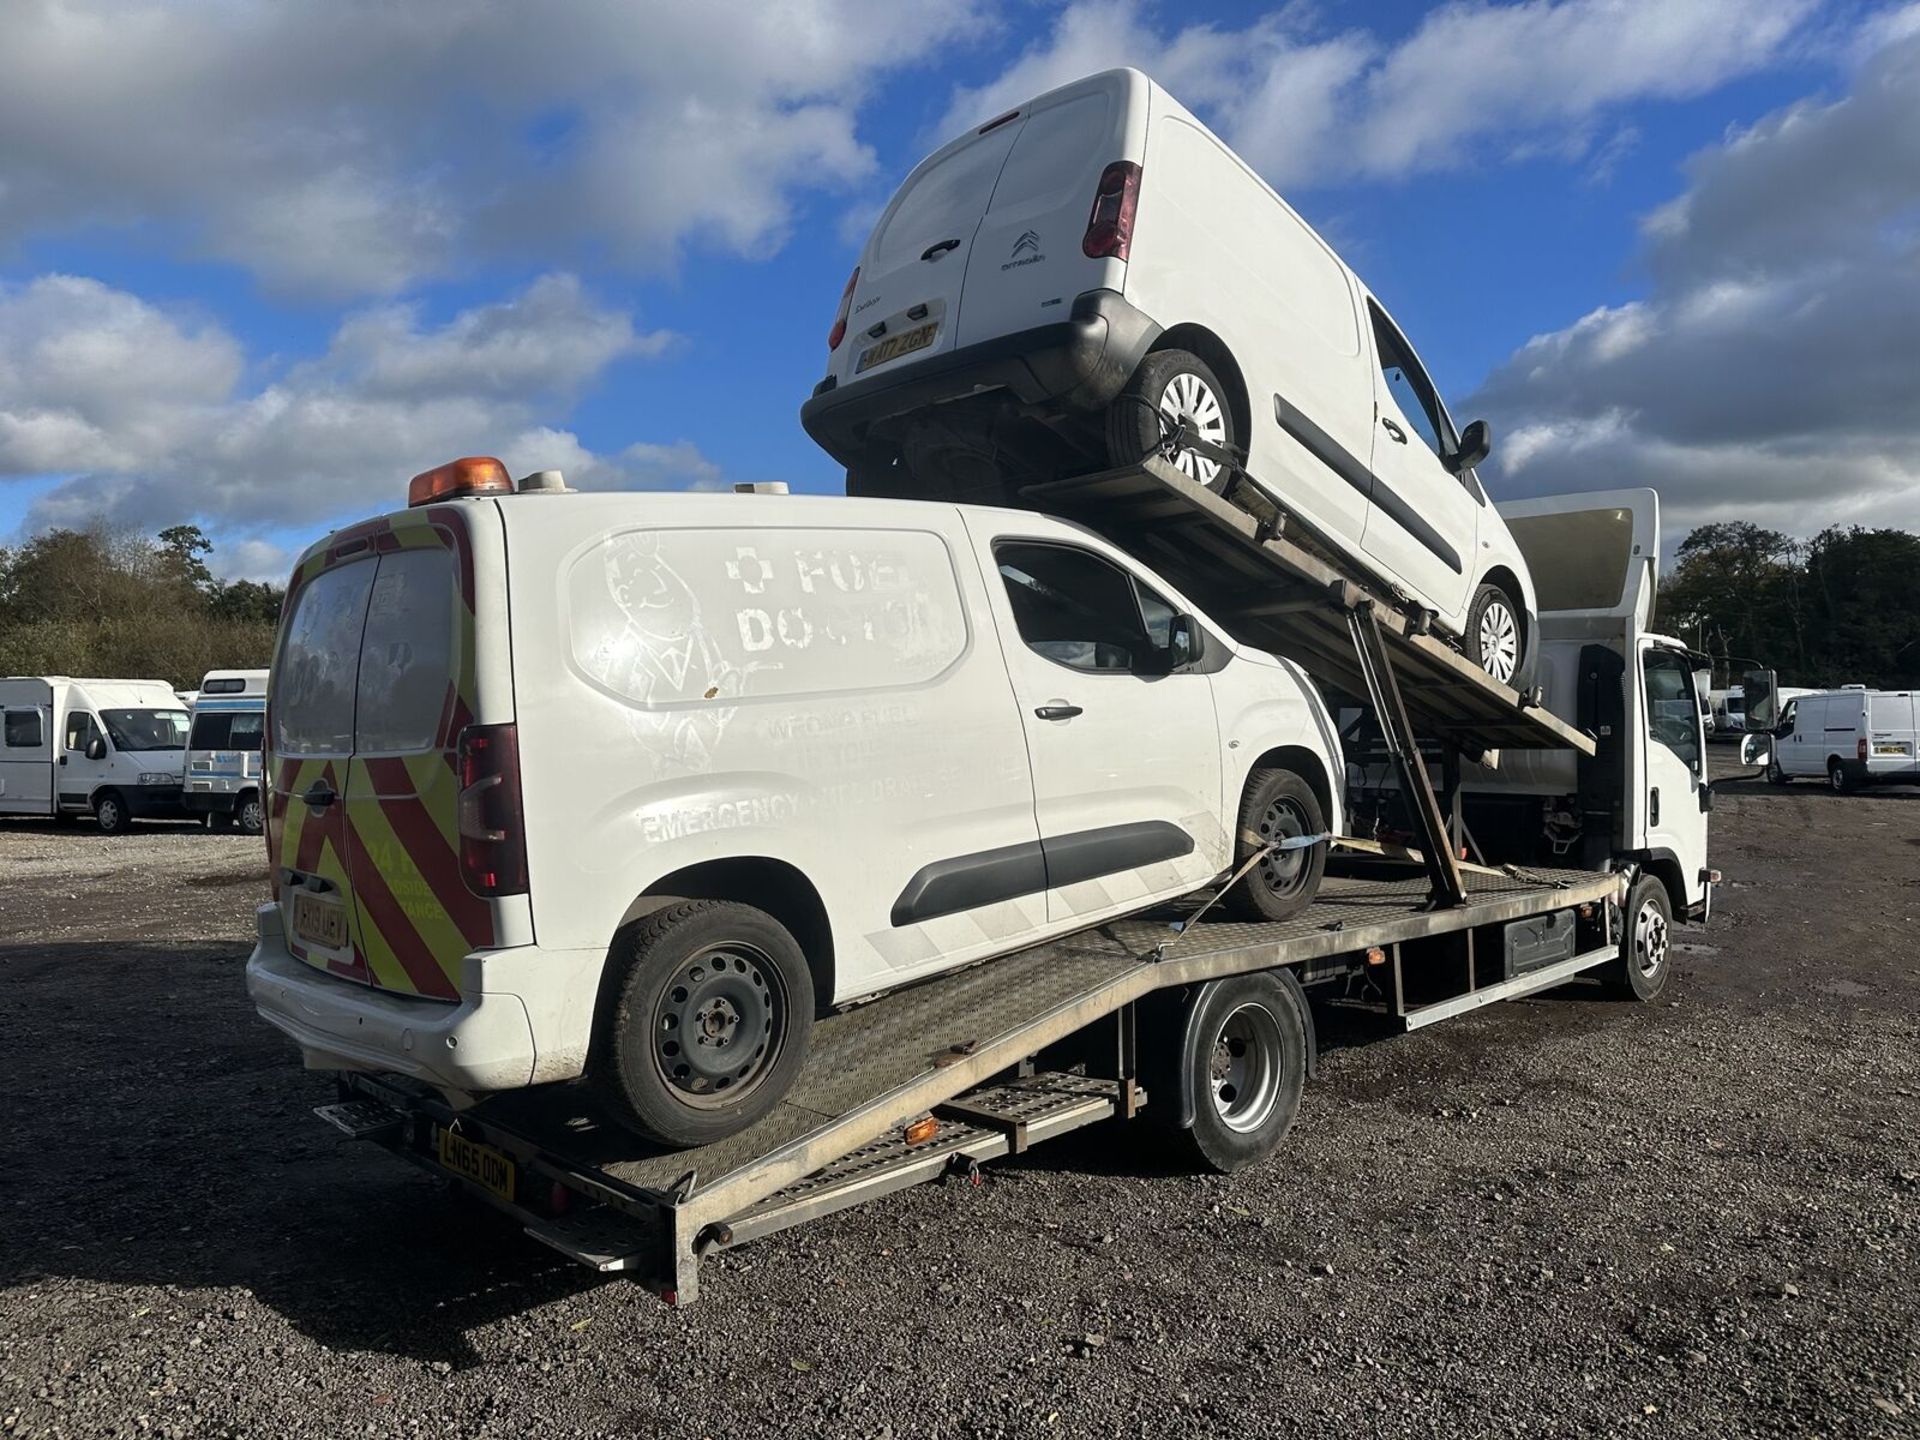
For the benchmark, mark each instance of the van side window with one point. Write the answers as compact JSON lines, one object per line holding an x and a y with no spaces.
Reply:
{"x":1789,"y":715}
{"x":81,"y":729}
{"x":1080,"y":611}
{"x":24,"y":730}
{"x":1673,"y":715}
{"x":1412,"y":391}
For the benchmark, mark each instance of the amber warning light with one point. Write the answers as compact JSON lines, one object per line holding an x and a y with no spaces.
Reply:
{"x":473,"y":475}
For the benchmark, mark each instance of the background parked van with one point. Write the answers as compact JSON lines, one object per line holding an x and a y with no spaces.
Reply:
{"x":1065,"y":286}
{"x":835,"y":746}
{"x":112,"y":748}
{"x":1852,"y":737}
{"x":223,"y":749}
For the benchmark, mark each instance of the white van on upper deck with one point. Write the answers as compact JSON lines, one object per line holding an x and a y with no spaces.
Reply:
{"x":629,"y":784}
{"x":1076,"y":280}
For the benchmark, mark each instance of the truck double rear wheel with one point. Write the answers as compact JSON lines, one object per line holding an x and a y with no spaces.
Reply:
{"x":1234,"y":1057}
{"x":706,"y":1024}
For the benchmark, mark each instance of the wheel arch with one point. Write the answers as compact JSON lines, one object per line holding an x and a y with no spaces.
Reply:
{"x":1305,"y":762}
{"x":1664,"y":866}
{"x":1201,"y":341}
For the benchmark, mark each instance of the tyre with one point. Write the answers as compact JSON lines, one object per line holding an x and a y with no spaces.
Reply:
{"x":1493,"y":635}
{"x":1838,"y":780}
{"x":110,"y":813}
{"x":1277,"y":805}
{"x":705,"y":1022}
{"x":1775,"y":775}
{"x":1170,"y":388}
{"x":1242,"y":1046}
{"x":251,"y":816}
{"x":1646,"y":947}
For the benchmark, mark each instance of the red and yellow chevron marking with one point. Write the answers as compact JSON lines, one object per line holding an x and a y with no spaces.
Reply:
{"x":392,"y":846}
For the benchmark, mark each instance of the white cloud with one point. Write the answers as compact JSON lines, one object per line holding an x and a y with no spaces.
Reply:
{"x":1770,"y":373}
{"x":1472,"y":80}
{"x":147,"y":414}
{"x":350,"y":149}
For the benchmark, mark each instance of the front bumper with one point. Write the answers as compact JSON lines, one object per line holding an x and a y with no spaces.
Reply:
{"x":155,"y":802}
{"x":1080,"y":362}
{"x":526,"y":1017}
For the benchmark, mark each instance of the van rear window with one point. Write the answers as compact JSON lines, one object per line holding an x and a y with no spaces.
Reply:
{"x":238,"y":730}
{"x":319,"y":657}
{"x":1061,"y":148}
{"x":944,"y":202}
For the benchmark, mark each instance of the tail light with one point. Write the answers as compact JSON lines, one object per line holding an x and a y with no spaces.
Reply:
{"x":839,"y":331}
{"x":493,"y":846}
{"x":1860,"y":748}
{"x":1110,"y":226}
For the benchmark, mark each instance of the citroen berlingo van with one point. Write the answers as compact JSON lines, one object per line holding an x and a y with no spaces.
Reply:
{"x":629,"y":786}
{"x":1094,"y":276}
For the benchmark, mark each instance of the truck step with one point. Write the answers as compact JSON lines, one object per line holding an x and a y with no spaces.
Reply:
{"x":361,"y":1119}
{"x":601,"y":1238}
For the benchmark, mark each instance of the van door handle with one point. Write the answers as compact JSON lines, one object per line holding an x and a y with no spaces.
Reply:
{"x":935,"y":251}
{"x":319,"y":795}
{"x":1653,"y":806}
{"x":1399,"y":435}
{"x":1059,"y":712}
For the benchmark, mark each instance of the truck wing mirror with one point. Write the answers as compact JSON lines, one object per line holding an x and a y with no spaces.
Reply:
{"x":96,"y":748}
{"x":1476,"y":443}
{"x":1763,"y":702}
{"x":1753,"y":749}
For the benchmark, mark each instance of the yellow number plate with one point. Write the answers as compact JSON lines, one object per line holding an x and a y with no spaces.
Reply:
{"x":482,"y":1164}
{"x":1889,"y":749}
{"x":905,"y":343}
{"x":319,"y":920}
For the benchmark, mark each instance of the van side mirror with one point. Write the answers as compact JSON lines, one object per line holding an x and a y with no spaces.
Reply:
{"x":1762,"y":701}
{"x":97,"y":748}
{"x":1476,"y":443}
{"x":1186,"y":642}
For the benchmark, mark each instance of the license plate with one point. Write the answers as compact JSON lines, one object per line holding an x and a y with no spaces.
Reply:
{"x":892,"y":348}
{"x":319,"y":920}
{"x":482,"y":1164}
{"x":1889,"y":749}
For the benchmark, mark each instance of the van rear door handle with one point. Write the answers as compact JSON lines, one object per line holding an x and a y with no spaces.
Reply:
{"x":319,"y":795}
{"x":1399,"y":435}
{"x":1059,"y":712}
{"x":939,"y":248}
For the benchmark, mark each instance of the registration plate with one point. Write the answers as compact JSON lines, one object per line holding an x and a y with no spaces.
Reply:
{"x":1895,"y":749}
{"x":319,"y":920}
{"x":482,"y":1164}
{"x":894,"y":346}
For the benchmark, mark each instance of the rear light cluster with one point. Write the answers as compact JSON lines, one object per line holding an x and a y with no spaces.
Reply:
{"x":839,"y":331}
{"x":1860,"y":748}
{"x":493,"y":845}
{"x":1110,"y":226}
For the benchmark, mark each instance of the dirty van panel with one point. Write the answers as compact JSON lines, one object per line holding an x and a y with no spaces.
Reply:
{"x":911,"y":273}
{"x":311,"y":744}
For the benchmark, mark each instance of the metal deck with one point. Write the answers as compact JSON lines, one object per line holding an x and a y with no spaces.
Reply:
{"x":1270,"y":590}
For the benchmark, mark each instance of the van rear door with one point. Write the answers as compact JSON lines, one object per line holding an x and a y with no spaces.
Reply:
{"x":1893,"y":736}
{"x":372,"y":690}
{"x":1027,"y":262}
{"x":906,"y":300}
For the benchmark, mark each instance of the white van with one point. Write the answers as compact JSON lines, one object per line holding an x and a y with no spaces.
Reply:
{"x":112,"y":748}
{"x":629,"y":785}
{"x":223,"y":750}
{"x":1853,"y":737}
{"x":1077,"y":279}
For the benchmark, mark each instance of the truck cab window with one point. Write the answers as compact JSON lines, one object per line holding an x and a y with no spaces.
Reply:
{"x":1673,"y":715}
{"x":81,"y":729}
{"x":1083,"y":612}
{"x":1412,"y":391}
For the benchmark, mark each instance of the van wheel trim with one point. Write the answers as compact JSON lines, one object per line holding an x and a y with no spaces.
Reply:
{"x":1188,"y":400}
{"x":1499,"y":640}
{"x":718,"y":1025}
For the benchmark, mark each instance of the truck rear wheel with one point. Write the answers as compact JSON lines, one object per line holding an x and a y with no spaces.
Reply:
{"x":1238,"y":1051}
{"x":1277,"y":805}
{"x":705,"y":1024}
{"x":1646,"y":949}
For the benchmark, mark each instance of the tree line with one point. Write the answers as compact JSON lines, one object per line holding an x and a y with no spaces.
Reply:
{"x":107,"y":602}
{"x":1840,"y":609}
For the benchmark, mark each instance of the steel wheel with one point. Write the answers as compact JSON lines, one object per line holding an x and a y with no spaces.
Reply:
{"x":1499,"y":640}
{"x":1281,"y":871}
{"x":1246,"y":1068}
{"x":1650,"y":940}
{"x":1188,"y":400}
{"x":716,"y":1027}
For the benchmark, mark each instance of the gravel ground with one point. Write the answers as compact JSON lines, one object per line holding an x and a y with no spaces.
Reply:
{"x":1562,"y":1216}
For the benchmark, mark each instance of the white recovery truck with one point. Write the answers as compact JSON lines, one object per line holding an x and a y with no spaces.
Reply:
{"x":1588,"y":802}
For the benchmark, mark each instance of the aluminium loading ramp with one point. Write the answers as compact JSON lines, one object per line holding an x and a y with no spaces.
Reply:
{"x":955,"y":1048}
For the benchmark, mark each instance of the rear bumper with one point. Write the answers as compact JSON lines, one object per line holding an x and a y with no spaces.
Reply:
{"x":219,"y":802}
{"x":526,"y":1017}
{"x":1081,"y":361}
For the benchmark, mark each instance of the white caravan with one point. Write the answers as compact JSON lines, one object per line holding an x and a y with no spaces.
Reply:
{"x":837,"y":745}
{"x":1643,"y":799}
{"x":223,"y":750}
{"x":1084,"y":278}
{"x":110,"y":748}
{"x":1851,"y":738}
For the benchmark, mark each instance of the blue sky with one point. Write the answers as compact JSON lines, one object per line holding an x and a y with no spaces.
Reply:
{"x":262,"y":262}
